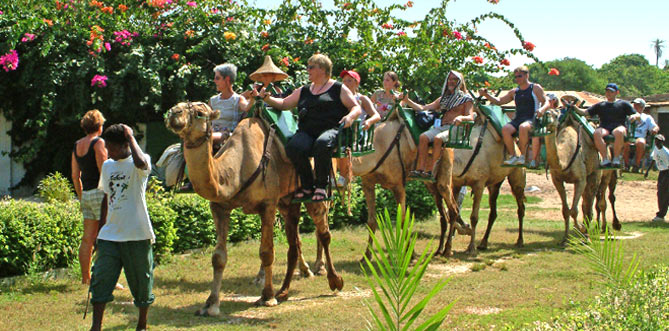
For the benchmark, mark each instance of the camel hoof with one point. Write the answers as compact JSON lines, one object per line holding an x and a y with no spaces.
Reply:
{"x":320,"y":269}
{"x":563,"y":243}
{"x":336,"y":282}
{"x":282,"y":296}
{"x":306,"y":273}
{"x":617,"y":226}
{"x":447,"y":253}
{"x":267,"y":303}
{"x":471,"y":251}
{"x":463,"y":229}
{"x":520,"y":243}
{"x":483,"y":246}
{"x":259,"y":281}
{"x":208,"y":311}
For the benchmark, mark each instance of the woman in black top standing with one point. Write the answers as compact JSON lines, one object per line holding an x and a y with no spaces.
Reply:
{"x":87,"y":157}
{"x":322,"y":106}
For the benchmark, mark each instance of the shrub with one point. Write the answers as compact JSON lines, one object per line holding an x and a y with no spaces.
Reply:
{"x":38,"y":237}
{"x":194,"y":224}
{"x":642,"y":305}
{"x":55,"y":187}
{"x":163,"y":219}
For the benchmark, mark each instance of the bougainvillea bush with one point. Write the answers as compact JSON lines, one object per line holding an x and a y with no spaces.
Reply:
{"x":133,"y":59}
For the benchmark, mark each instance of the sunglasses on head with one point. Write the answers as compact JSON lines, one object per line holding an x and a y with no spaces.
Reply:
{"x":519,"y":76}
{"x":311,"y":66}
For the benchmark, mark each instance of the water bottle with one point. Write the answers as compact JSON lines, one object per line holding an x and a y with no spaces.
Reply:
{"x":437,"y":123}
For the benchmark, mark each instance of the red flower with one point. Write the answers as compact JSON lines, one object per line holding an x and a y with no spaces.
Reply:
{"x":122,"y":8}
{"x":457,"y":35}
{"x":346,"y":6}
{"x":175,"y":56}
{"x":265,"y":47}
{"x":264,"y":34}
{"x":108,"y":10}
{"x":286,"y":61}
{"x":387,"y":26}
{"x":494,"y":2}
{"x":505,"y":62}
{"x":528,"y":45}
{"x":309,"y":41}
{"x":554,"y":72}
{"x":409,"y":4}
{"x":478,"y":59}
{"x":401,"y":33}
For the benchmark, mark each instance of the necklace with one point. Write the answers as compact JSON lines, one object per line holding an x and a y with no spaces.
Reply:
{"x":322,"y":87}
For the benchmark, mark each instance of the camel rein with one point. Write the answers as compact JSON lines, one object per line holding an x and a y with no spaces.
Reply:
{"x":477,"y":149}
{"x":578,"y":148}
{"x":262,"y":167}
{"x":395,"y":142}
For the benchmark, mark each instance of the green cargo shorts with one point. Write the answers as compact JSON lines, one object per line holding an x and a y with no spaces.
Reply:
{"x":136,"y":259}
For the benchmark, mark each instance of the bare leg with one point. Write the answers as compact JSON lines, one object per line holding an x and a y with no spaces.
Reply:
{"x":98,"y":313}
{"x":536,"y":148}
{"x":218,"y":259}
{"x":524,"y":136}
{"x":141,"y":321}
{"x":619,"y":134}
{"x":507,"y":135}
{"x":423,"y":143}
{"x":640,"y":151}
{"x":598,"y":137}
{"x":86,"y":249}
{"x":436,"y":153}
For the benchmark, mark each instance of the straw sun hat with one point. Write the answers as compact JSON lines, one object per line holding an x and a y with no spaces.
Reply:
{"x":268,"y":72}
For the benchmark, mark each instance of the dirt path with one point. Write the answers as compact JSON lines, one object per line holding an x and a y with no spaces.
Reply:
{"x":635,"y":200}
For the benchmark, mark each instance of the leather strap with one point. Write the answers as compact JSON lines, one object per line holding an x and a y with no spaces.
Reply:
{"x":262,"y":167}
{"x":578,"y":148}
{"x":477,"y":149}
{"x":395,"y":142}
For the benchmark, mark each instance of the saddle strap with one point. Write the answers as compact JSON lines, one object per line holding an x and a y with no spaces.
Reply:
{"x":477,"y":149}
{"x":396,"y":141}
{"x":262,"y":167}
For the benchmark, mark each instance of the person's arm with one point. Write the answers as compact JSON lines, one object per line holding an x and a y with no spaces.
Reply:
{"x":654,"y":127}
{"x":288,"y":102}
{"x":543,"y":109}
{"x":434,"y":105}
{"x":652,"y":163}
{"x":539,"y":92}
{"x":246,"y":101}
{"x":100,"y":153}
{"x":373,"y":116}
{"x":349,"y":102}
{"x":498,"y":101}
{"x":469,"y":114}
{"x":137,"y":154}
{"x":592,"y":110}
{"x":76,"y":176}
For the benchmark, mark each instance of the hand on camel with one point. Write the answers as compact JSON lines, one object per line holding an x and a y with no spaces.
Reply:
{"x":347,"y":120}
{"x":248,"y":95}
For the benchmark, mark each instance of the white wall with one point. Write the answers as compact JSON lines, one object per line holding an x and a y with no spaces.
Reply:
{"x":11,"y":173}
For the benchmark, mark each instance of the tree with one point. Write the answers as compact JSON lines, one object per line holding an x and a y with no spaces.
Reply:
{"x":575,"y":75}
{"x":657,"y":45}
{"x":634,"y":75}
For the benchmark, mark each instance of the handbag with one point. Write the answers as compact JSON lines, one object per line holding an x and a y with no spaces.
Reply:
{"x":425,"y":119}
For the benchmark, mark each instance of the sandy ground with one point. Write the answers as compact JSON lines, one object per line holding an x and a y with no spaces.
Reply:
{"x":635,"y":200}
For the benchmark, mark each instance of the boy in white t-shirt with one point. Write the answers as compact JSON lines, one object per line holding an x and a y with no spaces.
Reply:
{"x":660,"y":156}
{"x":125,"y":240}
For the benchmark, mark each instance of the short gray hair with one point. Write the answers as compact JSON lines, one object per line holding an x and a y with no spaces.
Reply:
{"x":227,"y":70}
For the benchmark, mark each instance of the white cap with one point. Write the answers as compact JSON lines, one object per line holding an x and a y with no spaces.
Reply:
{"x":640,"y":101}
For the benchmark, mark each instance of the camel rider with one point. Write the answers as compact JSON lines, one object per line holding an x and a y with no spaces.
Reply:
{"x":528,"y":97}
{"x":612,"y":115}
{"x":384,"y":99}
{"x":646,"y":125}
{"x":454,"y":106}
{"x":232,"y":106}
{"x":551,"y":105}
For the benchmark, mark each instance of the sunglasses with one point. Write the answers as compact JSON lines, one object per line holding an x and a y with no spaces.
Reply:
{"x":519,"y":76}
{"x":311,"y":66}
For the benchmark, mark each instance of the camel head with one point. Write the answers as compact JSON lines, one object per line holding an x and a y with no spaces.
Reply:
{"x":191,"y":120}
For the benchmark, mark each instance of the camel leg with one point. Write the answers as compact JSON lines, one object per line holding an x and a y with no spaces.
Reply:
{"x":559,"y":186}
{"x":318,"y":212}
{"x":493,"y":193}
{"x":370,"y":198}
{"x":517,"y":182}
{"x":612,"y":199}
{"x":589,"y":196}
{"x":218,"y":259}
{"x":601,"y":201}
{"x":579,"y":187}
{"x":267,"y":255}
{"x":446,"y":192}
{"x":477,"y":189}
{"x":302,"y":264}
{"x":432,"y":188}
{"x":291,"y":217}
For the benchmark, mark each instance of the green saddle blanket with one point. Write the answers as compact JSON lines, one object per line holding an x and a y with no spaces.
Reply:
{"x":495,"y":116}
{"x":409,"y":117}
{"x":283,"y":121}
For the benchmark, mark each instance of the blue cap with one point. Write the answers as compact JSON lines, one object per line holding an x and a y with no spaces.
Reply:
{"x":612,"y":87}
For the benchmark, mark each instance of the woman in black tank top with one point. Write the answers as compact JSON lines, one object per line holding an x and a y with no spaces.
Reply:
{"x":88,"y":155}
{"x":322,"y":106}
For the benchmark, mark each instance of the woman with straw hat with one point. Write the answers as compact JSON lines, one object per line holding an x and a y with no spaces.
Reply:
{"x":322,"y":105}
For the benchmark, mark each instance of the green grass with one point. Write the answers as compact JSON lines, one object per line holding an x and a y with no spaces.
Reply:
{"x":516,"y":286}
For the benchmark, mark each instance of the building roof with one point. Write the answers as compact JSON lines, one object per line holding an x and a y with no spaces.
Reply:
{"x":657,"y":100}
{"x":590,"y":98}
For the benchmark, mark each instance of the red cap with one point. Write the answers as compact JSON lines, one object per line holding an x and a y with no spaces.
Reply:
{"x":351,"y":73}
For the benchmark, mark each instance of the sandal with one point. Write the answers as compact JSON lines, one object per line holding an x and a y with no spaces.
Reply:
{"x":415,"y":174}
{"x":319,"y":195}
{"x":302,"y":193}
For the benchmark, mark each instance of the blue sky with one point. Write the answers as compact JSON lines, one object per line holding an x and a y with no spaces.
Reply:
{"x":595,"y":31}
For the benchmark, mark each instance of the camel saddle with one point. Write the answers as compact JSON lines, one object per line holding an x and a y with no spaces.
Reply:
{"x":458,"y":138}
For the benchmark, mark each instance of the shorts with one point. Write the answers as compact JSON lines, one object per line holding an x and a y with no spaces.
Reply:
{"x":516,"y":122}
{"x":440,"y":132}
{"x":91,"y":202}
{"x":609,"y":127}
{"x":136,"y":259}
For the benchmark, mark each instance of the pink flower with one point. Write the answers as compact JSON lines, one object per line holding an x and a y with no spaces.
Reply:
{"x":387,"y":26}
{"x":457,"y":35}
{"x":28,"y":37}
{"x":401,"y":33}
{"x":191,"y":3}
{"x":10,"y":61}
{"x":99,"y":81}
{"x":108,"y":47}
{"x":1,"y":12}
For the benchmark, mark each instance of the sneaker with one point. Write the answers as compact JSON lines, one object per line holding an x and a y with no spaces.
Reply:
{"x":511,"y":160}
{"x":533,"y":164}
{"x":520,"y":160}
{"x":604,"y":163}
{"x":617,"y":162}
{"x":658,"y":219}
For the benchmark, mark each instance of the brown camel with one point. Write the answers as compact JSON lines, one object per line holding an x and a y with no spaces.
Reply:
{"x":484,"y":171}
{"x":231,"y":179}
{"x":609,"y":181}
{"x":572,"y":158}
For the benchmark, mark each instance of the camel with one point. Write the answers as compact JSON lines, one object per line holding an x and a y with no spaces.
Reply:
{"x":571,"y":158}
{"x":609,"y":181}
{"x":249,"y":172}
{"x":484,"y":171}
